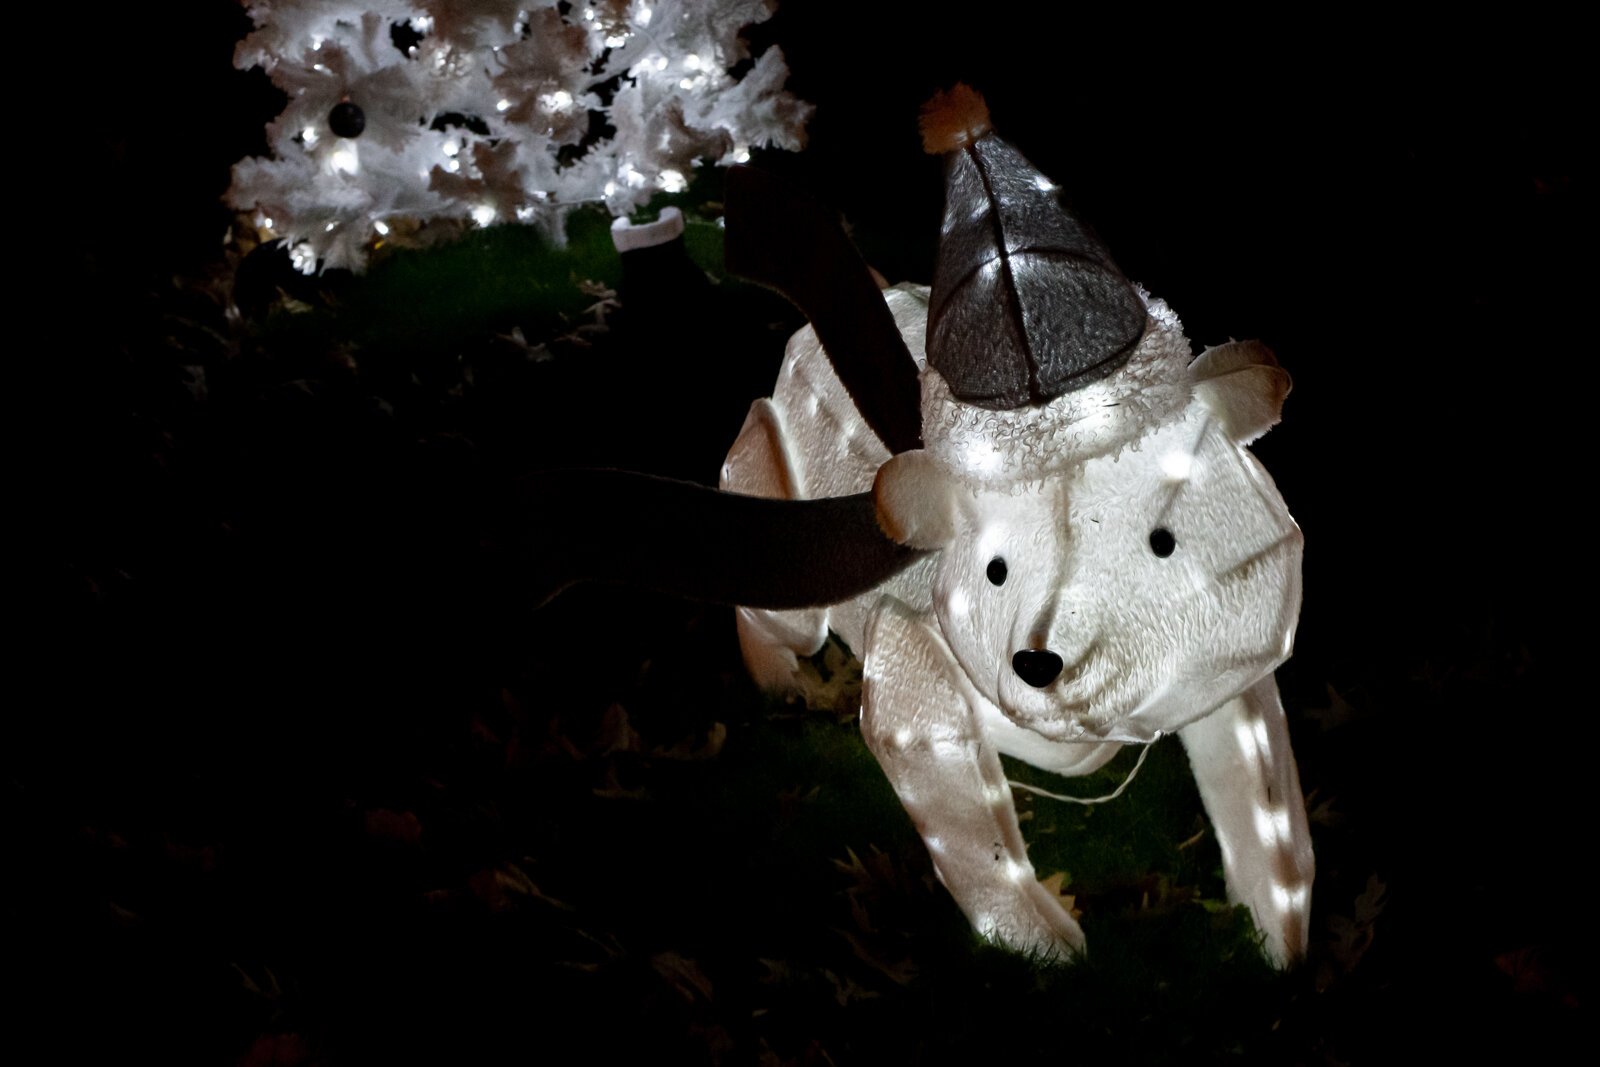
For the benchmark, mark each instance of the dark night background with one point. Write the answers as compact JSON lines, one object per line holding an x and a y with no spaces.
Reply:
{"x":288,"y":749}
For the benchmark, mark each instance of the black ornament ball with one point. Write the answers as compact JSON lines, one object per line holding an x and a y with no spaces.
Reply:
{"x":346,"y":119}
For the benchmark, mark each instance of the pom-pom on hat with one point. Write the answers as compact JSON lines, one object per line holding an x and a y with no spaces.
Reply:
{"x":1027,"y":304}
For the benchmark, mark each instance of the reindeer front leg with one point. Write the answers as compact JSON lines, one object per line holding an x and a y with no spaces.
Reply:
{"x":1251,"y":789}
{"x":918,"y":719}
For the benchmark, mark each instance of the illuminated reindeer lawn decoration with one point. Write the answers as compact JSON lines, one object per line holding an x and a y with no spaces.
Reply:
{"x":1080,"y":552}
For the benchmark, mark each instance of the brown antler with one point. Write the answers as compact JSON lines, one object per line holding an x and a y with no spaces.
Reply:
{"x":780,"y":237}
{"x":697,"y":542}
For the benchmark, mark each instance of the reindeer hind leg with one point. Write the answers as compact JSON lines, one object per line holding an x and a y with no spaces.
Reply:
{"x":762,"y":464}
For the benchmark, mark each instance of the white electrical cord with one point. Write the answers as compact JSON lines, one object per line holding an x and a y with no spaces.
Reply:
{"x":1114,"y":794}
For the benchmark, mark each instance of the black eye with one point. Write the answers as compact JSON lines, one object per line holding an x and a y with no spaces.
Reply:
{"x":997,"y":571}
{"x":1162,"y":542}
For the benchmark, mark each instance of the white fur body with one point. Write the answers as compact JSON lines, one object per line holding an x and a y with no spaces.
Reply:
{"x":1068,"y":497}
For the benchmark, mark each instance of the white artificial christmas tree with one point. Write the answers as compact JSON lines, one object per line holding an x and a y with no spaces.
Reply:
{"x":409,"y":111}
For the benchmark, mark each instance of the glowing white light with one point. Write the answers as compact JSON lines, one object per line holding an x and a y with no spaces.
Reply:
{"x":450,"y":147}
{"x":452,"y":165}
{"x":610,"y":189}
{"x":935,"y":845}
{"x":644,"y":15}
{"x":902,"y":737}
{"x":309,"y":136}
{"x":1177,"y":465}
{"x":524,"y":214}
{"x":741,"y":154}
{"x":981,"y":456}
{"x":1272,"y":826}
{"x":344,"y":158}
{"x":588,"y":14}
{"x":1045,"y":184}
{"x":691,"y":62}
{"x":672,"y":181}
{"x":1015,"y":871}
{"x":661,"y":63}
{"x":502,"y":104}
{"x":316,"y":43}
{"x":990,"y":540}
{"x":559,"y":100}
{"x":1289,"y":899}
{"x":303,"y":259}
{"x":687,"y":83}
{"x":319,"y":68}
{"x":483,"y":214}
{"x":1259,"y":729}
{"x":1264,"y":825}
{"x":959,"y":604}
{"x":381,"y":226}
{"x":617,"y":40}
{"x":330,"y":227}
{"x":633,"y":177}
{"x":422,"y":23}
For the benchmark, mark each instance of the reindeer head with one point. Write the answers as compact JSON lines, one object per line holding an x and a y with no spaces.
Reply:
{"x":1128,"y":594}
{"x":1114,"y":563}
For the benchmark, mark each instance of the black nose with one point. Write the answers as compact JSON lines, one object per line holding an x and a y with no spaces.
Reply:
{"x":1036,"y":666}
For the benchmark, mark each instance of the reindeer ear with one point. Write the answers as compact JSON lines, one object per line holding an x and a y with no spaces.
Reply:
{"x":1243,"y":386}
{"x":916,"y":500}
